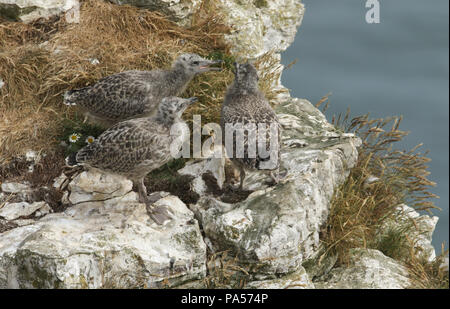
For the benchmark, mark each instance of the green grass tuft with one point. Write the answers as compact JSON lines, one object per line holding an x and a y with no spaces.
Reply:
{"x":228,"y":60}
{"x":394,"y":242}
{"x":75,"y":125}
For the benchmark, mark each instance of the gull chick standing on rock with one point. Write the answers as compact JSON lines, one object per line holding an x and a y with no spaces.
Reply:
{"x":135,"y":147}
{"x":133,"y":94}
{"x":245,"y":104}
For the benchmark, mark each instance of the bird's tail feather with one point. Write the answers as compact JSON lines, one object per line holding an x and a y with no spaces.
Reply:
{"x":71,"y":160}
{"x":71,"y":96}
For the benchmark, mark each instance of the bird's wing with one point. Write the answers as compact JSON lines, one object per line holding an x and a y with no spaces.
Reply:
{"x":121,"y":96}
{"x":259,"y":113}
{"x":125,"y":146}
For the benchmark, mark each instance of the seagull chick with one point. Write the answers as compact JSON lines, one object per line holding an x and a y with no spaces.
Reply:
{"x":245,"y":104}
{"x":134,"y":94}
{"x":135,"y":147}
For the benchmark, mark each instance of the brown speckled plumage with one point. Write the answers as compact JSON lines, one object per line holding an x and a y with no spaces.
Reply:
{"x":135,"y":147}
{"x":245,"y":103}
{"x":133,"y":94}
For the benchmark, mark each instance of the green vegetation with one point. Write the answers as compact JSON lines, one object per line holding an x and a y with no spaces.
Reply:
{"x":228,"y":60}
{"x":260,"y":3}
{"x":394,"y":242}
{"x":83,"y":131}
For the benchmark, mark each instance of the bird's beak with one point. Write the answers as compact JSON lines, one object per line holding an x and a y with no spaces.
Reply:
{"x":236,"y":66}
{"x":192,"y":100}
{"x":187,"y":103}
{"x":206,"y":65}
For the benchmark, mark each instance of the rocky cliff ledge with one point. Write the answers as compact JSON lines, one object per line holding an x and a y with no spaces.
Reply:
{"x":104,"y":238}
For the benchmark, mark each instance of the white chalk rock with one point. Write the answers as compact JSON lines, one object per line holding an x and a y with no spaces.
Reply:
{"x":11,"y":211}
{"x":97,"y":186}
{"x":368,"y":269}
{"x":278,"y":227}
{"x":177,"y":10}
{"x":29,"y":10}
{"x":14,"y":187}
{"x":212,"y":165}
{"x":104,"y":244}
{"x":261,"y":26}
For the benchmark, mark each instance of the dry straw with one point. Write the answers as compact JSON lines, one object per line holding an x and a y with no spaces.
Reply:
{"x":39,"y":61}
{"x":383,"y":178}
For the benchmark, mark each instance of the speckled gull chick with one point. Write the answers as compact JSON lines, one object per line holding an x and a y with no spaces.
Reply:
{"x":134,"y":94}
{"x":135,"y":147}
{"x":244,"y":103}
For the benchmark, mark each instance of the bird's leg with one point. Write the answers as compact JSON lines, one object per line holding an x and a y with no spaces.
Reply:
{"x":241,"y":177}
{"x":142,"y":191}
{"x":275,"y":175}
{"x":241,"y":169}
{"x":159,"y":214}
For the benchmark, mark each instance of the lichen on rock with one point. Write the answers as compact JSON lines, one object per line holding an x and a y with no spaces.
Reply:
{"x":368,"y":269}
{"x":104,"y":244}
{"x":178,"y":10}
{"x":30,"y":10}
{"x":275,"y":228}
{"x":261,"y":26}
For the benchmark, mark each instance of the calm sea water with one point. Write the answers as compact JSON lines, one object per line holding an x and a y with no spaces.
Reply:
{"x":397,"y":67}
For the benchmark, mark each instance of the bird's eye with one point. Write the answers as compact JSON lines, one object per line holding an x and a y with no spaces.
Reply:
{"x":195,"y":63}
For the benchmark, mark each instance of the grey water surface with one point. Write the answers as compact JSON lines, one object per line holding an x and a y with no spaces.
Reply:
{"x":397,"y":67}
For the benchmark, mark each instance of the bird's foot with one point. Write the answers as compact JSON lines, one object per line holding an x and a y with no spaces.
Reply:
{"x":276,"y":177}
{"x":234,"y":187}
{"x":271,"y":182}
{"x":159,"y":214}
{"x":153,"y":197}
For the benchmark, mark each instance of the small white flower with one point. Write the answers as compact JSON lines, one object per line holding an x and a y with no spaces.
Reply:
{"x":69,"y":103}
{"x":94,"y":61}
{"x":90,"y":139}
{"x":74,"y":137}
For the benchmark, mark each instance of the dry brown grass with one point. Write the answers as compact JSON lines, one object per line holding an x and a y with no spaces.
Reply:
{"x":14,"y":34}
{"x":224,"y":272}
{"x":39,"y":61}
{"x":427,"y":275}
{"x":359,"y":209}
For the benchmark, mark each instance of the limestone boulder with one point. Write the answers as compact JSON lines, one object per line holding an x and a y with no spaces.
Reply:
{"x":276,"y":228}
{"x":14,"y":187}
{"x":261,"y":26}
{"x":29,"y":10}
{"x":103,"y":243}
{"x":367,"y":269}
{"x":11,"y":211}
{"x":177,"y":10}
